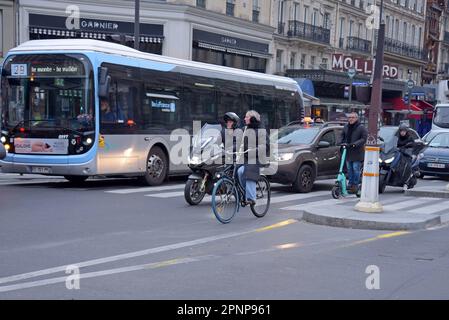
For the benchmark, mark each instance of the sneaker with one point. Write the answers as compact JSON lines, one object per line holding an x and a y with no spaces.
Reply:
{"x":250,"y":202}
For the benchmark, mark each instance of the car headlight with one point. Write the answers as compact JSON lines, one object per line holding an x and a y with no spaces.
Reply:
{"x":283,"y":156}
{"x":380,"y":160}
{"x":3,"y":139}
{"x":390,"y":160}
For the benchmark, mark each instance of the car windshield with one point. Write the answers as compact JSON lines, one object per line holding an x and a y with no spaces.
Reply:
{"x":440,"y":141}
{"x":441,"y":117}
{"x":295,"y":135}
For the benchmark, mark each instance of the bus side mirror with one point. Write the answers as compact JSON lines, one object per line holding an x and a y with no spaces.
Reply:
{"x":104,"y":81}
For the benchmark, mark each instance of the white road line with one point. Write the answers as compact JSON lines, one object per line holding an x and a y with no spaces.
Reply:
{"x":102,"y":273}
{"x":124,"y":256}
{"x":331,"y":202}
{"x":432,"y":208}
{"x":166,"y":194}
{"x":297,"y":196}
{"x":408,"y":203}
{"x":146,"y":189}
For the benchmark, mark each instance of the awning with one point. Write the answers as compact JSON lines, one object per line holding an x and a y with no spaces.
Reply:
{"x":399,"y":106}
{"x":342,"y":103}
{"x":205,"y":45}
{"x":88,"y":35}
{"x":310,"y":100}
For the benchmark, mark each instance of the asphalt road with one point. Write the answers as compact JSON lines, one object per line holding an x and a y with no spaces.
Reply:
{"x":130,"y":242}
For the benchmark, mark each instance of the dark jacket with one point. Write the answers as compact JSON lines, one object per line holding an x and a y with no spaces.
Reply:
{"x":355,"y":136}
{"x":254,"y":158}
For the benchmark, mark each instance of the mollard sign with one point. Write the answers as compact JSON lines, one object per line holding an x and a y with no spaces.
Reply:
{"x":362,"y":66}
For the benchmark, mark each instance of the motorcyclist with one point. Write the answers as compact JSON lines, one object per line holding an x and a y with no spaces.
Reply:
{"x":231,"y":122}
{"x":405,"y":140}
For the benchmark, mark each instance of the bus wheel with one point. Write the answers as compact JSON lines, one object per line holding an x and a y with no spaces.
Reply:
{"x":157,"y":167}
{"x":76,"y":179}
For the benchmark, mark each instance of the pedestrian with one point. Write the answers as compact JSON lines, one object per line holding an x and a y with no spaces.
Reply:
{"x":255,"y":147}
{"x":354,"y":137}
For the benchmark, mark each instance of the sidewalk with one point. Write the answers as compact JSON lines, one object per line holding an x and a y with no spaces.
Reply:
{"x":400,"y":213}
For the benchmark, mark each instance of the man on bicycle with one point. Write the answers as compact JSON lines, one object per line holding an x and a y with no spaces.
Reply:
{"x":252,"y":150}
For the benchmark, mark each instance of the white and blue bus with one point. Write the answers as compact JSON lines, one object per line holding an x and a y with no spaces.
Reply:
{"x":79,"y":108}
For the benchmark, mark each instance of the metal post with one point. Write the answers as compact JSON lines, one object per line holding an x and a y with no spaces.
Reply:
{"x":137,"y":25}
{"x":369,"y":201}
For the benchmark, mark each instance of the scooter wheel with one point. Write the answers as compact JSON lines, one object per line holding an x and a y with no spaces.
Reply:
{"x":336,"y":192}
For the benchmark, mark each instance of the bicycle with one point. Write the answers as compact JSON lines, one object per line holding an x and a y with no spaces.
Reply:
{"x":229,"y":193}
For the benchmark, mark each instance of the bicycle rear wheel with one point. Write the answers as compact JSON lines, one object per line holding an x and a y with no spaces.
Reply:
{"x":263,"y":198}
{"x":224,"y":200}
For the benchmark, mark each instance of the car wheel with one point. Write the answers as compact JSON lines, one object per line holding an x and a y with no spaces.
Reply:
{"x":304,"y":180}
{"x":156,"y":167}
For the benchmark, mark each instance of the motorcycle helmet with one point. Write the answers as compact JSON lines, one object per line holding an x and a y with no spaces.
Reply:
{"x":231,"y":116}
{"x":403,"y":127}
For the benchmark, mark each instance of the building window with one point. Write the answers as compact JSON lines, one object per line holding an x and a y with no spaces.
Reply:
{"x":303,"y":61}
{"x":201,"y":4}
{"x":293,"y":60}
{"x":312,"y":62}
{"x":256,"y":10}
{"x":279,"y":60}
{"x":230,"y":4}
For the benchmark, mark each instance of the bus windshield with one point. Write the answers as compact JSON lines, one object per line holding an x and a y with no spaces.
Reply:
{"x":441,"y":117}
{"x":51,"y":93}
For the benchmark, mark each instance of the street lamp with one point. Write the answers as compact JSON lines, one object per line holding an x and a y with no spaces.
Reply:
{"x":369,"y":199}
{"x":137,"y":25}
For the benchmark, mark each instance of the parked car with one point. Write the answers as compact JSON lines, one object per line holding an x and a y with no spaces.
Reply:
{"x":307,"y":153}
{"x":2,"y":151}
{"x":435,"y":160}
{"x":432,"y":133}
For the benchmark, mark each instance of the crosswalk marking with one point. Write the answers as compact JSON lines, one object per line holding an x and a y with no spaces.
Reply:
{"x":297,"y":196}
{"x":166,"y":194}
{"x":407,"y":204}
{"x":146,"y":189}
{"x":307,"y":205}
{"x":432,"y":208}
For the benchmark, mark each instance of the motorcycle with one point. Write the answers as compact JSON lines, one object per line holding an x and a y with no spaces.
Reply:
{"x":205,"y":161}
{"x":399,"y":167}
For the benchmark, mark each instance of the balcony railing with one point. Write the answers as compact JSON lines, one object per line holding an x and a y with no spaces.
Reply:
{"x":358,"y":44}
{"x":402,"y":49}
{"x":308,"y":32}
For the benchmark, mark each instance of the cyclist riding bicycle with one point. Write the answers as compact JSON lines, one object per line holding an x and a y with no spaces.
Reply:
{"x":254,"y":152}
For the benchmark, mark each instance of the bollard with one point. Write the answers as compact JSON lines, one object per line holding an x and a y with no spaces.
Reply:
{"x":369,"y":200}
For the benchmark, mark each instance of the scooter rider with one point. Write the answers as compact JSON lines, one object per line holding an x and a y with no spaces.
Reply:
{"x":405,"y":140}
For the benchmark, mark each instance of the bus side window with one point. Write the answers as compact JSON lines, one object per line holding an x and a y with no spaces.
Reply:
{"x":199,"y":99}
{"x":161,"y":106}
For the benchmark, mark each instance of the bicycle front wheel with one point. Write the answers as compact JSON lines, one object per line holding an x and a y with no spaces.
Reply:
{"x":224,"y":200}
{"x":263,"y":198}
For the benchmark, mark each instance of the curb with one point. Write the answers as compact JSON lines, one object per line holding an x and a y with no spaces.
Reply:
{"x":351,"y":223}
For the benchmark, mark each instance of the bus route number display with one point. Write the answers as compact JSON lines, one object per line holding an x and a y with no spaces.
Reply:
{"x":19,"y":70}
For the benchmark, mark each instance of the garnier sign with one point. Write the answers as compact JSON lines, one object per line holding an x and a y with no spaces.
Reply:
{"x":362,"y":66}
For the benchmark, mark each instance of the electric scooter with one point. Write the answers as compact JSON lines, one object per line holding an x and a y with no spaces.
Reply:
{"x":340,"y":190}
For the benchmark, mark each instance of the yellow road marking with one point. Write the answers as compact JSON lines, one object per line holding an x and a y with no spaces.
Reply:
{"x":382,"y":236}
{"x":277,"y":225}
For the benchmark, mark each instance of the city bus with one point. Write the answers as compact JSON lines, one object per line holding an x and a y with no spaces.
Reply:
{"x":82,"y":108}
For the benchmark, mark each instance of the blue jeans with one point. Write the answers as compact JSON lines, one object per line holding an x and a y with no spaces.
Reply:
{"x":249,"y":185}
{"x":354,"y":169}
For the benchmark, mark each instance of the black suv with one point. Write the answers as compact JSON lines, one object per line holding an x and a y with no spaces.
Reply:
{"x":307,"y":153}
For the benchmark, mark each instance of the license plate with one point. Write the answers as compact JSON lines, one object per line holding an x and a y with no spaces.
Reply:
{"x":41,"y":170}
{"x":436,"y":165}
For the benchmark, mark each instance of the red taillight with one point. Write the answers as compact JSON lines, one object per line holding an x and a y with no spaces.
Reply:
{"x":130,"y":123}
{"x":22,"y":130}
